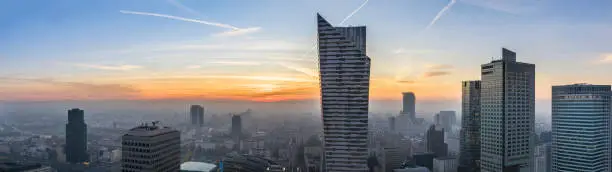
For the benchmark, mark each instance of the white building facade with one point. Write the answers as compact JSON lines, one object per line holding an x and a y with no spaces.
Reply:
{"x":445,"y":164}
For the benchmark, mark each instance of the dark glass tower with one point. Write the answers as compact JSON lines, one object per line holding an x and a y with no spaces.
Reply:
{"x":470,"y":127}
{"x":435,"y":141}
{"x":197,"y":115}
{"x":76,"y":137}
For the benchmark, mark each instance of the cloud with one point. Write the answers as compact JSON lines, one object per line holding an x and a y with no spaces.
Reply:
{"x":441,"y":13}
{"x":236,"y":63}
{"x":406,"y":81}
{"x":439,"y":67}
{"x":435,"y":73}
{"x":109,"y":67}
{"x":354,"y":11}
{"x":238,"y":32}
{"x":605,"y":59}
{"x":307,"y":71}
{"x":54,"y":89}
{"x":507,"y":6}
{"x":193,"y":67}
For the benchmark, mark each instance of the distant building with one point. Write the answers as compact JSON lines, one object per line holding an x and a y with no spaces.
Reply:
{"x":424,"y":160}
{"x":435,"y":141}
{"x":151,"y":148}
{"x":248,"y":163}
{"x":409,"y":104}
{"x":446,"y":120}
{"x":197,"y":115}
{"x":197,"y":167}
{"x":236,"y":131}
{"x":345,"y":84}
{"x":469,"y":155}
{"x":20,"y":167}
{"x":392,"y":123}
{"x":412,"y":169}
{"x":445,"y":164}
{"x":393,"y":158}
{"x":76,"y":137}
{"x":581,"y":127}
{"x":313,"y":158}
{"x":507,"y":100}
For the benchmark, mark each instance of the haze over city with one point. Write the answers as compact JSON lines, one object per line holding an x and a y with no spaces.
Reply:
{"x":393,"y":82}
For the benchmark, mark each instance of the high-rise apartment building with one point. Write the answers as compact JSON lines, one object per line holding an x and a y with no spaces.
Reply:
{"x":469,"y":141}
{"x":581,"y":128}
{"x":151,"y":148}
{"x":507,"y":100}
{"x":197,"y":115}
{"x":76,"y":137}
{"x":435,"y":141}
{"x":236,"y":131}
{"x":345,"y":81}
{"x":408,"y":104}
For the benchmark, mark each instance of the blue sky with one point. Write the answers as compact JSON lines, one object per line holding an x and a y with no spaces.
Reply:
{"x":117,"y":45}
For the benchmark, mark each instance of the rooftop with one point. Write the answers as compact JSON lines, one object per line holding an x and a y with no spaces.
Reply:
{"x":149,"y":130}
{"x":197,"y":166}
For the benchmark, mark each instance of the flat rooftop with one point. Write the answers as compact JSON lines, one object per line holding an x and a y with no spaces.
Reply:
{"x":148,"y":131}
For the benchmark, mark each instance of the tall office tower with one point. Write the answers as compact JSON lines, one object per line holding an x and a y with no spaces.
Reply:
{"x":435,"y":141}
{"x":236,"y":126}
{"x":151,"y":148}
{"x":345,"y":82}
{"x":408,"y":104}
{"x":507,"y":99}
{"x":446,"y":119}
{"x":469,"y":141}
{"x":197,"y":115}
{"x":581,"y":128}
{"x":76,"y":137}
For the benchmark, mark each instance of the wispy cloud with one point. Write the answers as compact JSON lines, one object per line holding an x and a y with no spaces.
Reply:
{"x":109,"y":67}
{"x":77,"y":90}
{"x":438,"y":66}
{"x":354,"y":11}
{"x":406,"y":81}
{"x":435,"y":73}
{"x":238,"y":32}
{"x":441,"y":13}
{"x":237,"y":63}
{"x":605,"y":59}
{"x":303,"y":70}
{"x":193,"y":67}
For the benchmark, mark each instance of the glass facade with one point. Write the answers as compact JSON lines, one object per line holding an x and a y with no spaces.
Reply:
{"x":581,"y":128}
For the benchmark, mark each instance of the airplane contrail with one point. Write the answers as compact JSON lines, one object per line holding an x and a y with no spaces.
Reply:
{"x":344,"y":20}
{"x":354,"y":11}
{"x":446,"y":8}
{"x":181,"y":19}
{"x":178,"y":4}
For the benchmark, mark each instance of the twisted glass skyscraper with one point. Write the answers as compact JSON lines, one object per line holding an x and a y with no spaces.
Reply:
{"x":345,"y":79}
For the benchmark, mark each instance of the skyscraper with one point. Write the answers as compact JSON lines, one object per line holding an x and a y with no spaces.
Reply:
{"x":76,"y":137}
{"x":408,"y":104}
{"x":197,"y":115}
{"x":151,"y":148}
{"x":392,"y":124}
{"x":446,"y":120}
{"x":236,"y":127}
{"x":345,"y":81}
{"x":581,"y":128}
{"x":507,"y":100}
{"x":469,"y":155}
{"x":435,"y":141}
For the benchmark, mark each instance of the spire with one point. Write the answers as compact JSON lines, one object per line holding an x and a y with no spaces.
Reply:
{"x":322,"y":22}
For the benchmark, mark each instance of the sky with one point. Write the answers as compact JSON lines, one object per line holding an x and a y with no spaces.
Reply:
{"x":264,"y":50}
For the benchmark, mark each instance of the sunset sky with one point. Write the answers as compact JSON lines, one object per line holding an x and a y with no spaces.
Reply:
{"x":263,"y":50}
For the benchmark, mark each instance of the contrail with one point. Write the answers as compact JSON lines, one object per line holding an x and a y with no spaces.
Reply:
{"x":446,"y":8}
{"x":353,"y":13}
{"x":177,"y":4}
{"x":181,"y":19}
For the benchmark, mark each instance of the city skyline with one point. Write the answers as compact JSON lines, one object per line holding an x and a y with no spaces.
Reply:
{"x":185,"y":49}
